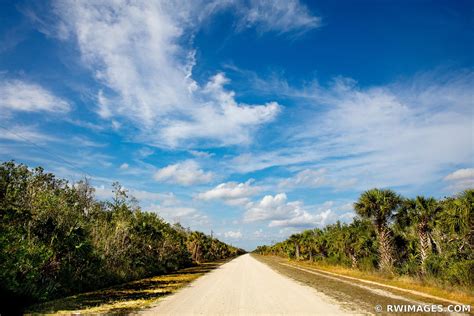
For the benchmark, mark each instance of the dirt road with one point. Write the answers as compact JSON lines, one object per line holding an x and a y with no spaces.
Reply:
{"x":246,"y":286}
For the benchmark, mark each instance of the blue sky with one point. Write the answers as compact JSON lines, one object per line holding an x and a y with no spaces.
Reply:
{"x":254,"y":119}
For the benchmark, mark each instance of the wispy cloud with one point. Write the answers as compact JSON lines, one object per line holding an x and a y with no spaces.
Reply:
{"x":145,"y":152}
{"x":86,"y":142}
{"x":401,"y":134}
{"x":17,"y":95}
{"x":281,"y":16}
{"x":26,"y":134}
{"x":201,"y":154}
{"x":306,"y":178}
{"x":135,"y":52}
{"x":314,"y":178}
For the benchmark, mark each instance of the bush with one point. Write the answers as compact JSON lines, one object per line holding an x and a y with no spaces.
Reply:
{"x":56,"y":239}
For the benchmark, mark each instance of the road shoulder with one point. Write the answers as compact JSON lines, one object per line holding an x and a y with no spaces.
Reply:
{"x":125,"y":298}
{"x":355,"y":295}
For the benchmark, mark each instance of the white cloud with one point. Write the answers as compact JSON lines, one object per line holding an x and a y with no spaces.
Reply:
{"x":185,"y":215}
{"x":397,"y":136}
{"x":174,"y":210}
{"x":303,"y":219}
{"x":237,"y":202}
{"x":460,"y":174}
{"x":16,"y":95}
{"x":186,"y":173}
{"x":403,"y":134}
{"x":279,"y":212}
{"x":347,"y":217}
{"x":306,"y":178}
{"x":124,"y":166}
{"x":221,"y":118}
{"x":346,"y":207}
{"x":137,"y":53}
{"x":232,"y":193}
{"x":201,"y":154}
{"x":315,"y":178}
{"x":461,"y":179}
{"x":270,"y":207}
{"x":166,"y":205}
{"x":249,"y":162}
{"x":233,"y":234}
{"x":280,"y":16}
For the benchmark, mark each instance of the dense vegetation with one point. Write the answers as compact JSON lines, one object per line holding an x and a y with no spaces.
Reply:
{"x":423,"y":237}
{"x":56,"y":239}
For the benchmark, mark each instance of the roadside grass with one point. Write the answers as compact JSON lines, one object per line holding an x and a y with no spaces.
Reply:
{"x":124,"y":298}
{"x":464,"y":296}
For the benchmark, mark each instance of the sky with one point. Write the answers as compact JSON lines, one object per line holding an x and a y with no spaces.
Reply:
{"x":250,"y":119}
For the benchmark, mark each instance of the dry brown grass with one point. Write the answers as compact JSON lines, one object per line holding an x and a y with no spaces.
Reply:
{"x":405,"y":282}
{"x":124,"y":298}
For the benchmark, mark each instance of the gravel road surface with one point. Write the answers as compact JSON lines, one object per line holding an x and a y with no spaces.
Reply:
{"x":245,"y":286}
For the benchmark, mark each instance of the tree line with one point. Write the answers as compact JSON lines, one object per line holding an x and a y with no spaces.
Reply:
{"x":57,"y":239}
{"x":421,"y":237}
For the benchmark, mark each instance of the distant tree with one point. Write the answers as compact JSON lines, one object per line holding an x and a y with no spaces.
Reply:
{"x":295,"y":241}
{"x":308,"y":242}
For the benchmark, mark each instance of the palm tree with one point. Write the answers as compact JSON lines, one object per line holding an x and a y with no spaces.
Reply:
{"x":379,"y":205}
{"x":307,"y":240}
{"x":195,"y":242}
{"x":319,"y":243}
{"x":358,"y":240}
{"x":422,"y":212}
{"x":460,"y":213}
{"x":457,"y":220}
{"x":295,"y":240}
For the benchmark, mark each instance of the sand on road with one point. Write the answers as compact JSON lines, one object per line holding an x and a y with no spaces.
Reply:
{"x":245,"y":286}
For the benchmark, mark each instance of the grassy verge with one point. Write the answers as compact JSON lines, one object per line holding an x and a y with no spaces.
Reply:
{"x":465,"y":296}
{"x":125,"y":298}
{"x":404,"y":282}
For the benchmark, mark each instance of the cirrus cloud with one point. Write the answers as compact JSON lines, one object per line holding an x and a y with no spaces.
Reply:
{"x":402,"y":134}
{"x":17,"y":95}
{"x":137,"y":54}
{"x":281,"y":16}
